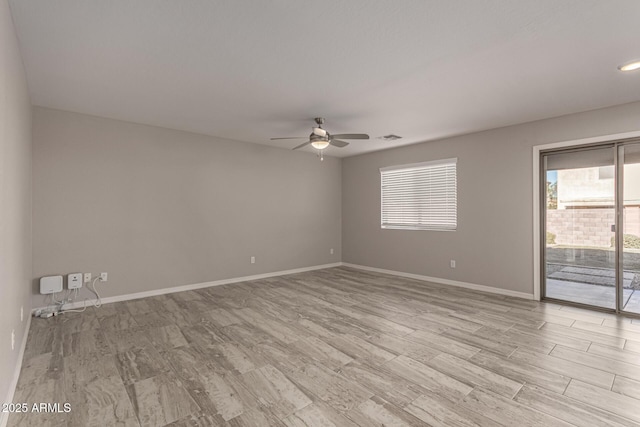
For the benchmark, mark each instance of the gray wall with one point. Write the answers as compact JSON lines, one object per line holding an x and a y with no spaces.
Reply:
{"x":493,"y":245}
{"x":15,"y":199}
{"x":158,"y":208}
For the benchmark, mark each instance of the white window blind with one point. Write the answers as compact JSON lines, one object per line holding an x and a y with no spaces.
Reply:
{"x":420,"y":196}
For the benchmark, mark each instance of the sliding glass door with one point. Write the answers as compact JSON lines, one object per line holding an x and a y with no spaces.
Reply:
{"x":591,"y":226}
{"x":629,"y":245}
{"x":580,"y":252}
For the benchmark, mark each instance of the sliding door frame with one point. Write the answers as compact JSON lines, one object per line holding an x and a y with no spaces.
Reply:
{"x":616,"y":143}
{"x":535,"y":191}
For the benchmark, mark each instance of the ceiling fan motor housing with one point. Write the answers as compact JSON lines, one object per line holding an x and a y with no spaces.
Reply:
{"x":316,"y":138}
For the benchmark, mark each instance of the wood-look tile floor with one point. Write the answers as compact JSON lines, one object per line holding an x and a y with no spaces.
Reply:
{"x":331,"y":347}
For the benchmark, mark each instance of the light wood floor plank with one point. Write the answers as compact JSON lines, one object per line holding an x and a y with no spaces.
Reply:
{"x":508,"y":412}
{"x":627,"y":386}
{"x":568,"y":409}
{"x":376,"y":411}
{"x":610,"y":340}
{"x":522,"y":372}
{"x":605,"y":330}
{"x":632,"y":346}
{"x":554,"y":337}
{"x":615,"y":353}
{"x":619,"y":404}
{"x":160,"y":400}
{"x":276,"y":391}
{"x":594,"y":361}
{"x":622,"y":323}
{"x":384,"y":383}
{"x":548,"y":317}
{"x":492,"y":344}
{"x":438,"y":411}
{"x":313,"y":416}
{"x":443,"y":344}
{"x":475,"y":375}
{"x":586,"y":316}
{"x":427,"y":377}
{"x":569,"y":368}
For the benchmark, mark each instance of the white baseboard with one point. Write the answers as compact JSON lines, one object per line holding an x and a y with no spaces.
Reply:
{"x":155,"y":292}
{"x":4,"y":416}
{"x":465,"y":285}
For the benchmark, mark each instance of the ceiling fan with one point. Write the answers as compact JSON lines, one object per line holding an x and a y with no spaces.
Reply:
{"x":321,"y":139}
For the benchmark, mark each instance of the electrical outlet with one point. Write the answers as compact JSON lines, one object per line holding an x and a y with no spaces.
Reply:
{"x":22,"y":313}
{"x":87,"y":277}
{"x":253,"y":260}
{"x":13,"y":339}
{"x":331,"y":251}
{"x":103,"y":277}
{"x":453,"y":263}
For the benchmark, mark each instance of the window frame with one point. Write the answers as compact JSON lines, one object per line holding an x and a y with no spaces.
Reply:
{"x":422,"y":166}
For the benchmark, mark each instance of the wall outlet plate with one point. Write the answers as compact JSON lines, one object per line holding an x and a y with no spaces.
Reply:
{"x":87,"y":277}
{"x":74,"y":281}
{"x":50,"y":284}
{"x":103,"y":277}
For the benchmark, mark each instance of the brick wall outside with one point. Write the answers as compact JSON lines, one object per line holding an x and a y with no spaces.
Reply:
{"x":589,"y":227}
{"x":632,"y":220}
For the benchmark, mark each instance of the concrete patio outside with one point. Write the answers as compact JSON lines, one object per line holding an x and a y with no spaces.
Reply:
{"x":587,"y":276}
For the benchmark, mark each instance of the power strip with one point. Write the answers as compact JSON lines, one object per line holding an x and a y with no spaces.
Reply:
{"x":45,"y":313}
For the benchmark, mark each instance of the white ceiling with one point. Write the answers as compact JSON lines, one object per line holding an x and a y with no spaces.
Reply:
{"x":249,"y":70}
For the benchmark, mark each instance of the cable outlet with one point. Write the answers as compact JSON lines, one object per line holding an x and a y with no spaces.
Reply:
{"x":453,"y":263}
{"x":87,"y":277}
{"x":331,"y":251}
{"x":103,"y":277}
{"x":253,"y":260}
{"x":13,"y":339}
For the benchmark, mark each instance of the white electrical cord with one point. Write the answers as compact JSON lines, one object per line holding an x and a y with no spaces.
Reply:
{"x":75,"y":311}
{"x":98,"y":302}
{"x":75,"y":295}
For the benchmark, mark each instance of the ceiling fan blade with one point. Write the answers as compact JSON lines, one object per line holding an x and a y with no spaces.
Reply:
{"x":338,"y":143}
{"x":301,"y":145}
{"x":319,"y":131}
{"x":351,"y":136}
{"x":291,"y":137}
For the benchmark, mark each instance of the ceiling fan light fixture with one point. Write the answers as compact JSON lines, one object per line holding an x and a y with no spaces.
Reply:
{"x":630,"y":66}
{"x":320,"y":144}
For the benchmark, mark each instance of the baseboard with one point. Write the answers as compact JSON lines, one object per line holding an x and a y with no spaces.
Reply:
{"x":4,"y":416}
{"x":163,"y":291}
{"x":155,"y":292}
{"x":459,"y":284}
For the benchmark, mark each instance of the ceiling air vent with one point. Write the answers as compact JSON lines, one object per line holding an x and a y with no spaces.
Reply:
{"x":390,"y":137}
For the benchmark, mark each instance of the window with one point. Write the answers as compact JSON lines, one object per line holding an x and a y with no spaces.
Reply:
{"x":420,"y":196}
{"x":606,"y":172}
